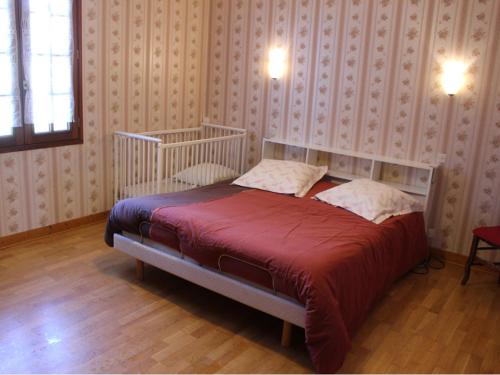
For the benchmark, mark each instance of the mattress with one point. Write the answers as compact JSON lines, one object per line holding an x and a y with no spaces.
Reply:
{"x":332,"y":261}
{"x":242,"y":269}
{"x":168,"y":185}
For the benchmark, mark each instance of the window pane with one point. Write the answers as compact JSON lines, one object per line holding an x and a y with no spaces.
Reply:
{"x":42,"y":127}
{"x":4,"y":4}
{"x":39,"y":33}
{"x":41,"y":92}
{"x":5,"y":38}
{"x":7,"y":109}
{"x":48,"y":51}
{"x":62,"y":118}
{"x":9,"y":87}
{"x":61,"y":71}
{"x":60,"y":7}
{"x":7,"y":80}
{"x":42,"y":113}
{"x":60,"y":30}
{"x":41,"y":75}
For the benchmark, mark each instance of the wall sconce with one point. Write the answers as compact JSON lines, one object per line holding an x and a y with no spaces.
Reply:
{"x":453,"y":77}
{"x":277,"y":62}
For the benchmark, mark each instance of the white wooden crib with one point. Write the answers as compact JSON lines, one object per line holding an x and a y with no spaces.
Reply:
{"x":175,"y":160}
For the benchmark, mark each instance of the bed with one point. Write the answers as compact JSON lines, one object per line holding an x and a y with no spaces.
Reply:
{"x":311,"y":264}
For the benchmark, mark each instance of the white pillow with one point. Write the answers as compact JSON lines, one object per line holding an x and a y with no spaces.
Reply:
{"x":282,"y":176}
{"x":205,"y":174}
{"x":370,"y":199}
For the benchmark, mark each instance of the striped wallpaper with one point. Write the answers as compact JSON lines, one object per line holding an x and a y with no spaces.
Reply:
{"x":364,"y":75}
{"x":142,"y":69}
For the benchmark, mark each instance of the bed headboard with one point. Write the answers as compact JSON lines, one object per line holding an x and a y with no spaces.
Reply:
{"x":412,"y":177}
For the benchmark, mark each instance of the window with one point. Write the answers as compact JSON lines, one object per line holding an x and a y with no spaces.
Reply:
{"x":40,"y":74}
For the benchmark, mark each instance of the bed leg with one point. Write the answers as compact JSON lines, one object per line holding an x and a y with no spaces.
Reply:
{"x":286,"y":334}
{"x":139,"y":269}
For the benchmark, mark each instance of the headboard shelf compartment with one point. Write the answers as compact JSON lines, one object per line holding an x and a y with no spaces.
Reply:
{"x":412,"y":177}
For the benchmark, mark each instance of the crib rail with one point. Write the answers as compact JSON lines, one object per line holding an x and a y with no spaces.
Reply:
{"x":135,"y":164}
{"x":176,"y":135}
{"x":215,"y":131}
{"x":176,"y":159}
{"x":218,"y":158}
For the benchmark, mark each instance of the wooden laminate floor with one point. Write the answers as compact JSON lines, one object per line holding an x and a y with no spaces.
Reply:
{"x":68,"y":303}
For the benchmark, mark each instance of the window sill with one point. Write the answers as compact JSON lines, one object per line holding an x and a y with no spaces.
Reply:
{"x":34,"y":146}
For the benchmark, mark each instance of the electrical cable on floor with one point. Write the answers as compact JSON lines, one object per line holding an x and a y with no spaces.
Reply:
{"x":439,"y":262}
{"x":421,"y":269}
{"x":432,"y":262}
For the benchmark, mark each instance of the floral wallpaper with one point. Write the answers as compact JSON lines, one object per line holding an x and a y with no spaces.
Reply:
{"x":361,"y":75}
{"x":142,"y":70}
{"x":364,"y":75}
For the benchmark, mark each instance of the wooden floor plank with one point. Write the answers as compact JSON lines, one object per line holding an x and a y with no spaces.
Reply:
{"x":68,"y":303}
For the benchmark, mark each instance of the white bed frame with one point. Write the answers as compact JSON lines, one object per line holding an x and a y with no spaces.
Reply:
{"x":171,"y":261}
{"x":268,"y":301}
{"x":377,"y":165}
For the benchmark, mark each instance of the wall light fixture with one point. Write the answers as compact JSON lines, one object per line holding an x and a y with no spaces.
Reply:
{"x":453,"y":77}
{"x":277,"y":62}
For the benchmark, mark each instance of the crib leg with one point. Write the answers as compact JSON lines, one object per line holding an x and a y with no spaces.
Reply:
{"x":286,"y":334}
{"x":139,"y":269}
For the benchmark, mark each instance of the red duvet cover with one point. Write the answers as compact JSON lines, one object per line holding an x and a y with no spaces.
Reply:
{"x":334,"y":262}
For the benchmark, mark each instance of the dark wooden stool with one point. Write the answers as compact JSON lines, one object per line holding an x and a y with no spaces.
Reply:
{"x":489,"y":235}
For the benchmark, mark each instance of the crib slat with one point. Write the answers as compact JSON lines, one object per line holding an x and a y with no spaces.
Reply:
{"x":202,"y":160}
{"x":169,"y":169}
{"x":129,"y":168}
{"x":196,"y":162}
{"x":119,"y":166}
{"x":237,"y":155}
{"x":128,"y":153}
{"x":209,"y":161}
{"x":183,"y":164}
{"x":136,"y":168}
{"x":148,"y":166}
{"x":177,"y":157}
{"x":123,"y":176}
{"x":159,"y":160}
{"x":223,"y":155}
{"x":138,"y":165}
{"x":133,"y":167}
{"x":115,"y":169}
{"x":243,"y":154}
{"x":172,"y":169}
{"x":143,"y":168}
{"x":151,"y":169}
{"x":159,"y":167}
{"x":226,"y":154}
{"x":217,"y":160}
{"x":238,"y":164}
